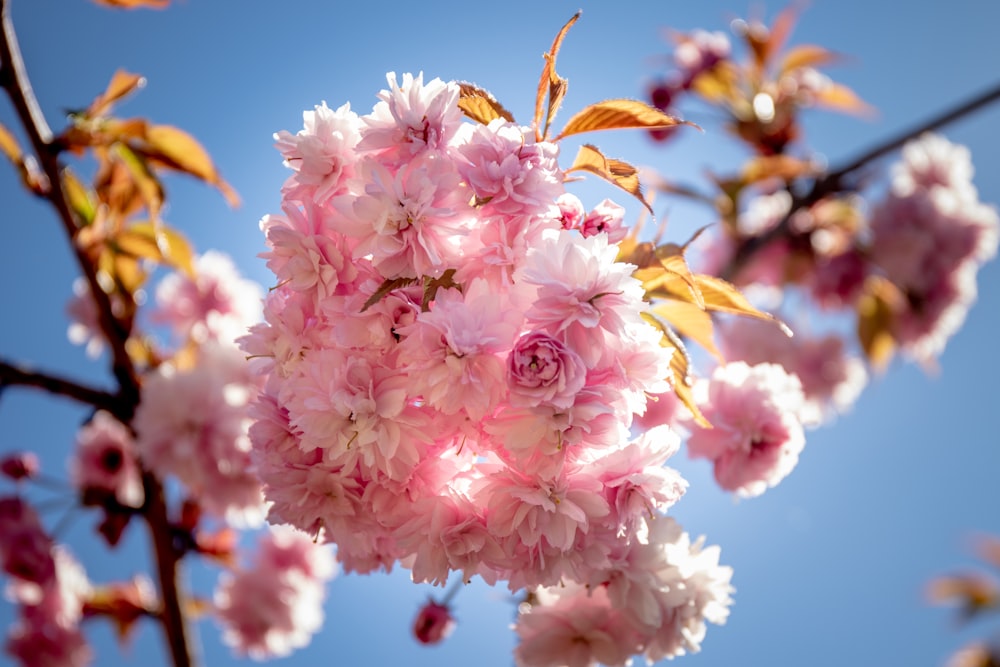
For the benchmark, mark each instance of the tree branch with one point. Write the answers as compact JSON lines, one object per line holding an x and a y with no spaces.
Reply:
{"x":14,"y":80}
{"x":835,"y":180}
{"x":11,"y":374}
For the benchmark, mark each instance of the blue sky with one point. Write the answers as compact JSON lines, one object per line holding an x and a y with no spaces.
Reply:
{"x":829,"y":566}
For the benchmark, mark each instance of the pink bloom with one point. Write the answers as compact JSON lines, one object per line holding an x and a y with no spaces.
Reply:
{"x":411,"y":118}
{"x":832,"y":379}
{"x":454,"y":351}
{"x":700,"y":50}
{"x":105,"y":461}
{"x":583,"y":293}
{"x":39,"y":642}
{"x":606,"y":218}
{"x":275,"y":605}
{"x":433,"y":623}
{"x":22,"y":465}
{"x":571,"y":210}
{"x":321,"y":154}
{"x":576,"y":628}
{"x":540,"y":369}
{"x":305,"y":254}
{"x":508,"y":172}
{"x":355,"y":410}
{"x":26,"y":549}
{"x":216,"y":305}
{"x":410,"y":221}
{"x":192,"y":424}
{"x":756,"y":438}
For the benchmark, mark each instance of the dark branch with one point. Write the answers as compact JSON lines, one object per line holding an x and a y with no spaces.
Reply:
{"x":836,"y":180}
{"x":11,"y":374}
{"x":15,"y":81}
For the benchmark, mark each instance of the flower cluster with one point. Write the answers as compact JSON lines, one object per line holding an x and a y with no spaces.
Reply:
{"x":49,"y":586}
{"x":929,"y":236}
{"x":452,"y":362}
{"x":275,"y":605}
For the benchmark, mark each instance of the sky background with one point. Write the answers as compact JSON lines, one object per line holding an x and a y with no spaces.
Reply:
{"x":830,"y":566}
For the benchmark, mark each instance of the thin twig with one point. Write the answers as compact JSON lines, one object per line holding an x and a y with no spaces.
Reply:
{"x":836,"y":180}
{"x":11,"y":374}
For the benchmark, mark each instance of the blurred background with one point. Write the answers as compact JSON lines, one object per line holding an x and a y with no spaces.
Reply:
{"x":830,"y":566}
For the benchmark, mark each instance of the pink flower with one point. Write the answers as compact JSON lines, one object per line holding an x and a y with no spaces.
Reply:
{"x":105,"y":461}
{"x":22,"y":465}
{"x":193,"y":424}
{"x":433,"y":623}
{"x":576,"y":628}
{"x":411,"y":118}
{"x":508,"y":172}
{"x":305,"y":254}
{"x":410,"y":221}
{"x":540,"y":369}
{"x":606,"y":218}
{"x":26,"y":549}
{"x":275,"y":605}
{"x":571,"y":210}
{"x":454,"y":351}
{"x":756,"y":438}
{"x":215,"y":305}
{"x":321,"y":154}
{"x":583,"y":293}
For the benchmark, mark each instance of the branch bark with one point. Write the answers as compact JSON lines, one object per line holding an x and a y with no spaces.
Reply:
{"x":12,"y":374}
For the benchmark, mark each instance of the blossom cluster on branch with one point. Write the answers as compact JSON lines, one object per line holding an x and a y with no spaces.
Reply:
{"x":461,"y":368}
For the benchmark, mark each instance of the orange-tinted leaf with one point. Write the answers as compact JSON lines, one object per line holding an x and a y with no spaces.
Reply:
{"x":806,"y":55}
{"x":680,"y":368}
{"x":691,"y":322}
{"x":550,"y":84}
{"x":174,"y":249}
{"x":134,"y":4}
{"x":144,"y":179}
{"x":723,"y":297}
{"x":616,"y":172}
{"x":879,"y":300}
{"x":9,"y":145}
{"x":80,"y":198}
{"x":719,"y":85}
{"x":480,"y":105}
{"x":122,"y":84}
{"x":784,"y":167}
{"x":988,"y":548}
{"x":672,"y":259}
{"x":432,"y":285}
{"x":780,"y":31}
{"x":619,"y":114}
{"x":388,"y":285}
{"x":197,"y":608}
{"x":975,"y":592}
{"x":839,"y":97}
{"x":178,"y":150}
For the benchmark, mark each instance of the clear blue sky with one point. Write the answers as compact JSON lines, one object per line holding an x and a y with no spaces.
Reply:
{"x":829,"y":566}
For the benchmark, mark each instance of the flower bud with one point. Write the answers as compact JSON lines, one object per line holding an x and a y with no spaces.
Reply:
{"x":433,"y":623}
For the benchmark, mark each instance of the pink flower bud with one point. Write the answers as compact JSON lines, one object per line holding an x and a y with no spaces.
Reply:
{"x":22,"y":465}
{"x":433,"y":623}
